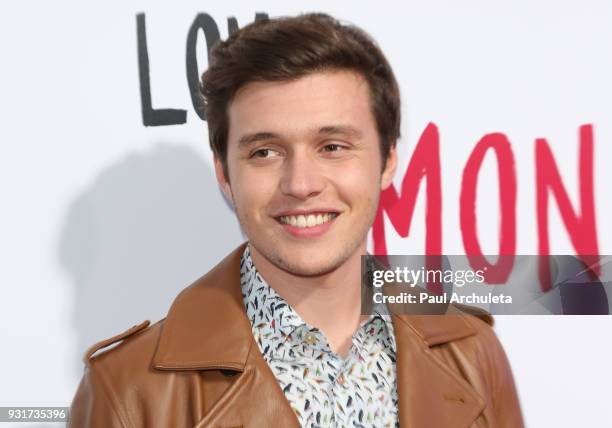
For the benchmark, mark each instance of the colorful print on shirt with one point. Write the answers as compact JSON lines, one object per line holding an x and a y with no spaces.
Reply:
{"x":323,"y":389}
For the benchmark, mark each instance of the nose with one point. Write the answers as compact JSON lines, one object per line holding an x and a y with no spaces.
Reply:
{"x":302,"y":177}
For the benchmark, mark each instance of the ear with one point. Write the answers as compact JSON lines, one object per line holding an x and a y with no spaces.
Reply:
{"x":389,"y":171}
{"x":223,"y":181}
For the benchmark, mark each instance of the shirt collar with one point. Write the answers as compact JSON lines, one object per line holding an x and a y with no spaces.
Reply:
{"x":271,"y":315}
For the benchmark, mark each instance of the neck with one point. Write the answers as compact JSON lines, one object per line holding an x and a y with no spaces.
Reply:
{"x":330,"y":302}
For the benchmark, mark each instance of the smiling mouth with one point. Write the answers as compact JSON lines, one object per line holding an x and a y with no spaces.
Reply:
{"x":307,"y":220}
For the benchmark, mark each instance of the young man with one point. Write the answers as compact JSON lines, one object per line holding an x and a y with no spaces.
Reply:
{"x":303,"y":116}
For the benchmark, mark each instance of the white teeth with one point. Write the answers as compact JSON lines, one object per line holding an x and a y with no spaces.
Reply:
{"x":309,"y":220}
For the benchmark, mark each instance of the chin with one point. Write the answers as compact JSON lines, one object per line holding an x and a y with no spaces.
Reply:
{"x":308,"y":269}
{"x":309,"y":262}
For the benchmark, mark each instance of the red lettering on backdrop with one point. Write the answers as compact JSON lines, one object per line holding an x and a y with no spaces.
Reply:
{"x":498,"y":272}
{"x":581,"y":227}
{"x":425,"y":164}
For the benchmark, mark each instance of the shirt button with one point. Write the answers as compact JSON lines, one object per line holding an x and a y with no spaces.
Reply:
{"x":310,"y":338}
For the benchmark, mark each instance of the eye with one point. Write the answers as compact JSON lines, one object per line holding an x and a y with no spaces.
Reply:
{"x":264,"y":153}
{"x":333,"y":148}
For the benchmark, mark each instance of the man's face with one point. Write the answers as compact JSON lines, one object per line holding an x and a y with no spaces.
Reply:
{"x":305,"y":169}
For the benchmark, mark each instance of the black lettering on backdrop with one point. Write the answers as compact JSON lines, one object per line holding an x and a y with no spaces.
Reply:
{"x":151,"y":116}
{"x":211,"y":32}
{"x":203,"y":21}
{"x":207,"y":24}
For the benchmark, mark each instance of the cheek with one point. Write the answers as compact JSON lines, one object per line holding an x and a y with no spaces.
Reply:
{"x":252,"y":195}
{"x":360,"y":184}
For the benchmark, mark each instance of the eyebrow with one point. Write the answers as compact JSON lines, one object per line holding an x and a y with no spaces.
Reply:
{"x":349,"y":131}
{"x":247,"y":139}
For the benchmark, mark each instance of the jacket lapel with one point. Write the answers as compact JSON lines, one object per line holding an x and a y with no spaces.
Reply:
{"x":254,"y":397}
{"x":429,"y":393}
{"x":207,"y":329}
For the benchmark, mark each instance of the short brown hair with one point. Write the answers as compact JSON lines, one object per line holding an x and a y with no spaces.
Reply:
{"x":288,"y":48}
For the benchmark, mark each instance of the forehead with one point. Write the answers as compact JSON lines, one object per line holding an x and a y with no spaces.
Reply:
{"x":294,"y":107}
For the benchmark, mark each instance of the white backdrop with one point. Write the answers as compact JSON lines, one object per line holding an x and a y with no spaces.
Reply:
{"x":104,"y":220}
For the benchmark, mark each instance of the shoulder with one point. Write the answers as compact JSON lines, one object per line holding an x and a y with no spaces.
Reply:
{"x":121,"y":363}
{"x":484,"y":338}
{"x":134,"y":344}
{"x":482,"y":342}
{"x":476,"y":312}
{"x":107,"y":345}
{"x":115,"y":369}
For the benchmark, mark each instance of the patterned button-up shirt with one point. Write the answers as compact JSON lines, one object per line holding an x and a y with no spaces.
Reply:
{"x":323,"y":389}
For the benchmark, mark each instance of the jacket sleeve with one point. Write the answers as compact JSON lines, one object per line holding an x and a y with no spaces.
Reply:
{"x":92,"y":405}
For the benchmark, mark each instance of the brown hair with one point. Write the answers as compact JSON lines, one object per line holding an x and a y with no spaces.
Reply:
{"x":289,"y":48}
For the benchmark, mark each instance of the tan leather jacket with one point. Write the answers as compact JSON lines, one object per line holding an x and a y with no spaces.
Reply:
{"x":200,"y":367}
